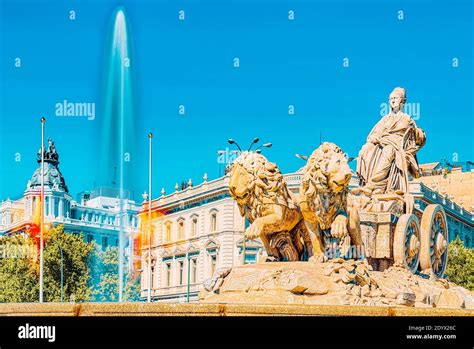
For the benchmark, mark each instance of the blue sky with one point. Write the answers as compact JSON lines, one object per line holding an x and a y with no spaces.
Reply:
{"x":190,"y":62}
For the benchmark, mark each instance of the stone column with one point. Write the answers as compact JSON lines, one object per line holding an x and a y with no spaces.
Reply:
{"x":61,"y":208}
{"x":51,"y":206}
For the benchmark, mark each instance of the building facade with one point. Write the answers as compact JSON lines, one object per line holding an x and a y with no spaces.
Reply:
{"x":195,"y":231}
{"x":198,"y":229}
{"x":455,"y":183}
{"x":98,"y":215}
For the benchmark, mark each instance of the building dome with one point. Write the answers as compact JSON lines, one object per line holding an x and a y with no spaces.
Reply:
{"x":53,"y":178}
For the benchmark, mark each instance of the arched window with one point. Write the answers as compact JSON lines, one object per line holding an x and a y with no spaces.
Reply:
{"x":167,"y":232}
{"x":213,"y":223}
{"x":181,"y":229}
{"x":194,"y":226}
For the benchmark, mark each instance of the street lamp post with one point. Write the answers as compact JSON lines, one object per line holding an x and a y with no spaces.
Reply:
{"x":42,"y":207}
{"x":150,"y":137}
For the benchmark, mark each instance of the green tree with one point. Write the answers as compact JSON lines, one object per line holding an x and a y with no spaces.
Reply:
{"x":73,"y":253}
{"x":107,"y":287}
{"x":460,"y":264}
{"x":18,"y":274}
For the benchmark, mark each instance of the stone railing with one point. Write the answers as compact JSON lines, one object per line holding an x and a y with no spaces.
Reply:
{"x":185,"y":194}
{"x":419,"y":189}
{"x":176,"y":291}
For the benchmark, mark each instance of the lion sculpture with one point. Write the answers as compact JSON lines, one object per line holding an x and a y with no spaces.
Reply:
{"x":264,"y":199}
{"x":331,"y":220}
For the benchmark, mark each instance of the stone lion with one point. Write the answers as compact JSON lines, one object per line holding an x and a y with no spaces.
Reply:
{"x":264,"y":199}
{"x":332,"y":221}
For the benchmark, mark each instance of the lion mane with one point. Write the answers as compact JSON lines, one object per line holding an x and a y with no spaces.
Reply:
{"x":263,"y":198}
{"x":267,"y":183}
{"x":314,"y":187}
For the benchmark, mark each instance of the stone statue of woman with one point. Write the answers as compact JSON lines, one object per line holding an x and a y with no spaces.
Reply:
{"x":389,"y":155}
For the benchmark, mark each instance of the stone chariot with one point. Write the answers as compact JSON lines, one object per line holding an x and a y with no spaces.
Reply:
{"x":416,"y":240}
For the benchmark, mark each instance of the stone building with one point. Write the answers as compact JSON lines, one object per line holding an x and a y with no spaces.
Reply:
{"x":453,"y":182}
{"x":195,"y":231}
{"x":97,"y":215}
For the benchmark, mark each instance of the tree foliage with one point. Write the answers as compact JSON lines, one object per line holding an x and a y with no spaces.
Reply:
{"x":74,"y":258}
{"x":460,"y":268}
{"x":107,"y":287}
{"x":88,"y":273}
{"x":19,"y":272}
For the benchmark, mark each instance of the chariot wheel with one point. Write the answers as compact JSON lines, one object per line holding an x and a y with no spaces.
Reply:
{"x":434,"y":241}
{"x":406,"y":242}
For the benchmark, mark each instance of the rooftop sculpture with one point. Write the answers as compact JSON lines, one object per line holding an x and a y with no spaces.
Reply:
{"x":53,"y":177}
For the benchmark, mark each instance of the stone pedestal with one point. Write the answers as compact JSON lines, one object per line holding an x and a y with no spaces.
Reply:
{"x":337,"y":282}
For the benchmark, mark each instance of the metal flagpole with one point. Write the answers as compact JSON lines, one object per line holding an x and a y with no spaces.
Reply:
{"x":150,"y":136}
{"x":42,"y":207}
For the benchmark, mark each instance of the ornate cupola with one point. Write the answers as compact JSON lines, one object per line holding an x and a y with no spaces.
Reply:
{"x":53,"y":179}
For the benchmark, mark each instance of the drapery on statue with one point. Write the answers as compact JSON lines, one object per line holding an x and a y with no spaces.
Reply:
{"x":387,"y":159}
{"x":264,"y":199}
{"x":331,"y":219}
{"x":390,"y":152}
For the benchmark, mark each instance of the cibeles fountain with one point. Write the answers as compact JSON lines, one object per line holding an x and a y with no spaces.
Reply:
{"x":335,"y":246}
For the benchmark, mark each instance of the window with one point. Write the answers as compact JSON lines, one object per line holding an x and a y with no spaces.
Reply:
{"x":168,"y":275}
{"x":89,"y":238}
{"x":168,"y":232}
{"x":213,"y":264}
{"x":56,"y":207}
{"x":181,"y":272}
{"x":194,"y":226}
{"x":152,"y":283}
{"x":181,"y":229}
{"x":213,"y":221}
{"x":250,"y":258}
{"x":105,"y":242}
{"x":193,"y":270}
